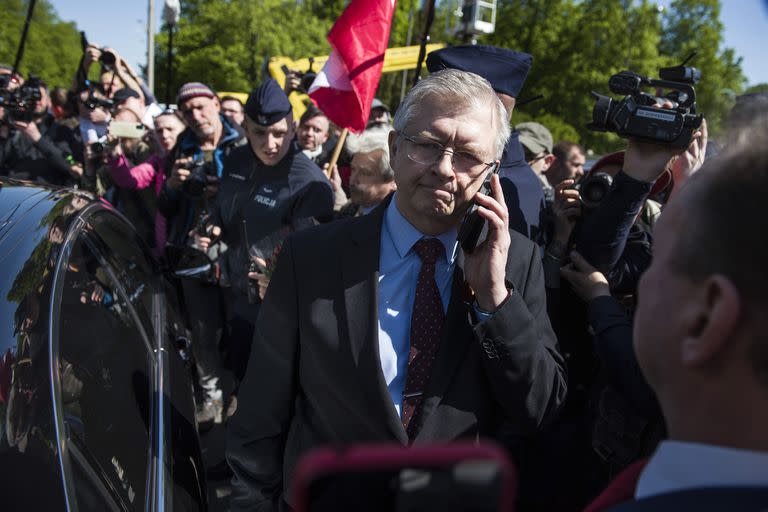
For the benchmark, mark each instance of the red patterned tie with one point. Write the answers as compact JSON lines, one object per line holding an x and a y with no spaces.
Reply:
{"x":426,"y":327}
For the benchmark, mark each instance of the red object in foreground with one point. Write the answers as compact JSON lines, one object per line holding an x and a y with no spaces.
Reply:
{"x":329,"y":463}
{"x":345,"y":87}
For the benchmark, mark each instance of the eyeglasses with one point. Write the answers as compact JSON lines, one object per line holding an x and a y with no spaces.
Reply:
{"x":429,"y":152}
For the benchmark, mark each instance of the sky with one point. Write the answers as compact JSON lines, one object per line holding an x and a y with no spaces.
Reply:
{"x":121,"y":24}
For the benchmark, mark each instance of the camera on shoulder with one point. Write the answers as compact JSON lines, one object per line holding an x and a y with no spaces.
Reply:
{"x":638,"y":115}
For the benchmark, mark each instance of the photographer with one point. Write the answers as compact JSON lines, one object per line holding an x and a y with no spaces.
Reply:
{"x":195,"y":164}
{"x":149,"y":176}
{"x":193,"y":168}
{"x":37,"y":147}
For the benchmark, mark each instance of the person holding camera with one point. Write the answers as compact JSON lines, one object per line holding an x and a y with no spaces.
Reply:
{"x":187,"y":197}
{"x":36,"y":146}
{"x":138,"y":174}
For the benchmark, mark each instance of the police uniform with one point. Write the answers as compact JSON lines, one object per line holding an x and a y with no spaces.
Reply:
{"x":272,"y":200}
{"x":506,"y":70}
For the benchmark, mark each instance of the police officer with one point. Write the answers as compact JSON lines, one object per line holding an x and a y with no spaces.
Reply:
{"x":270,"y":188}
{"x":506,"y":70}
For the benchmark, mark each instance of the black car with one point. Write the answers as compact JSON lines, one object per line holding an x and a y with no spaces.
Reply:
{"x":96,"y":404}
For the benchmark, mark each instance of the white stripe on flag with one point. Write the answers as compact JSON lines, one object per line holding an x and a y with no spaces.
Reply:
{"x":334,"y":75}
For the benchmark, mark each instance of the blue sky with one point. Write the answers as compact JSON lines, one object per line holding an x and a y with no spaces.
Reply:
{"x":122,"y":25}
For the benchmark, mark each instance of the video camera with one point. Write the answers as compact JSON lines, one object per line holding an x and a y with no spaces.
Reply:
{"x":20,"y":103}
{"x":637,"y":114}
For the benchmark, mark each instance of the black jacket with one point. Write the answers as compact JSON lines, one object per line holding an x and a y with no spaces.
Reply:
{"x":44,"y":161}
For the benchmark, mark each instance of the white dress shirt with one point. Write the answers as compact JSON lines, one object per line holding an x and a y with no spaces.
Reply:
{"x":678,"y":465}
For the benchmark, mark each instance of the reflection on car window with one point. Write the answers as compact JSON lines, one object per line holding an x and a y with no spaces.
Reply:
{"x":106,"y":378}
{"x":122,"y":249}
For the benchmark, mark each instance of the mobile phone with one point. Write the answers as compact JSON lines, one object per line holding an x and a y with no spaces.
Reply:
{"x":126,"y":130}
{"x":474,"y":226}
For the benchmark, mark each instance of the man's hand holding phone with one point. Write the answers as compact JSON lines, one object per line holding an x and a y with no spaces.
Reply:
{"x":485,"y":267}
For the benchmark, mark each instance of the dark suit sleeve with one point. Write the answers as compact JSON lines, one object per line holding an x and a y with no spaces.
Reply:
{"x":519,"y":351}
{"x":257,"y":432}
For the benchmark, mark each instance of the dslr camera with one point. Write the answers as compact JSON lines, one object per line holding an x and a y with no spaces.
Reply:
{"x":20,"y":103}
{"x":593,"y":189}
{"x":637,"y":115}
{"x":92,"y":102}
{"x":194,"y":186}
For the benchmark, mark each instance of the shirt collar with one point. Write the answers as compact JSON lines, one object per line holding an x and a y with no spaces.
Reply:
{"x":404,"y":234}
{"x":312,"y":153}
{"x":678,"y":465}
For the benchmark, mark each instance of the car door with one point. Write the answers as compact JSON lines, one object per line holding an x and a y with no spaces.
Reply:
{"x":105,"y":368}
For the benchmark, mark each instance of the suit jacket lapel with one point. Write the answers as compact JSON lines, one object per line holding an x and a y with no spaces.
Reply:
{"x":360,"y":273}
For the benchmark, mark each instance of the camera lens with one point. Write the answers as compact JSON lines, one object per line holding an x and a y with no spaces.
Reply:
{"x":600,"y":112}
{"x":594,"y":189}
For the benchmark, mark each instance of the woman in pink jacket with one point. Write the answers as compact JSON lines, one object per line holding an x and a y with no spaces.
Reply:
{"x":151,"y":173}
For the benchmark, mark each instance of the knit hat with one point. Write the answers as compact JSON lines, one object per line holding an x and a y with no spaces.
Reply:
{"x":193,"y":90}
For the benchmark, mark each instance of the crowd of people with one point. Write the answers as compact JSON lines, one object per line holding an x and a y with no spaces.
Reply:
{"x":341,"y":308}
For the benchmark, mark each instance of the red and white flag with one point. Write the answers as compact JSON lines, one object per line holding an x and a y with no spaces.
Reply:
{"x":345,"y":87}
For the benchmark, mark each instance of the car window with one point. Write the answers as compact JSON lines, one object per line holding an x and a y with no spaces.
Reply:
{"x":122,"y":248}
{"x":106,"y":377}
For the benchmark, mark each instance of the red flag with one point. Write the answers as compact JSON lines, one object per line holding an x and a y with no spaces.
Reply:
{"x":345,"y":87}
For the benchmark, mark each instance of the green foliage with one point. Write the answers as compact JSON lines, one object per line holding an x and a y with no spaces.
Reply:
{"x":576,"y":44}
{"x":224,"y":43}
{"x":53,"y":47}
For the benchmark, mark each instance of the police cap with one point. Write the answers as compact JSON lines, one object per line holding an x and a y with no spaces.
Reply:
{"x":506,"y":70}
{"x":267,"y":104}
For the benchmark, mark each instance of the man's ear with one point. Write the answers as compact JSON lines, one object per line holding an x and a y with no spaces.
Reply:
{"x":711,"y":321}
{"x":392,"y":145}
{"x":548,"y":161}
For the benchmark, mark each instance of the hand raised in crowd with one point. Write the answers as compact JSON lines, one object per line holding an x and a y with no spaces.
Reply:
{"x":29,"y":129}
{"x":292,"y":80}
{"x":92,"y":54}
{"x":179,"y":172}
{"x":485,"y":268}
{"x":566,"y":209}
{"x":588,"y":282}
{"x":261,"y":279}
{"x":691,"y":160}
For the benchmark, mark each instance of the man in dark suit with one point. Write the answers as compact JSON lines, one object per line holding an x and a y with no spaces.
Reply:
{"x":700,"y":339}
{"x":380,"y":328}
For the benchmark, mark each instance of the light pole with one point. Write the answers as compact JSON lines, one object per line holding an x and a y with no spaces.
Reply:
{"x":151,"y":45}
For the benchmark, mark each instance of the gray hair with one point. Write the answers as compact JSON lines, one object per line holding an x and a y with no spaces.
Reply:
{"x":371,"y":140}
{"x":461,"y":90}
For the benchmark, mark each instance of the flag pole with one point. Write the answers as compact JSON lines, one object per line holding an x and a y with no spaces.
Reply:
{"x":425,"y":40}
{"x":337,"y":151}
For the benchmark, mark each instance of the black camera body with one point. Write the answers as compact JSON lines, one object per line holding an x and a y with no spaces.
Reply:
{"x":20,"y":103}
{"x":637,"y":115}
{"x":306,"y":78}
{"x":593,"y":189}
{"x":195,"y":184}
{"x":92,"y":102}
